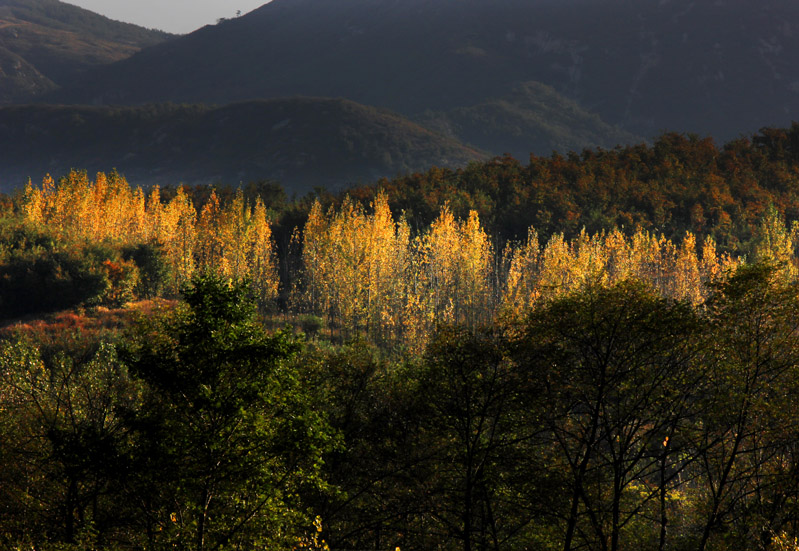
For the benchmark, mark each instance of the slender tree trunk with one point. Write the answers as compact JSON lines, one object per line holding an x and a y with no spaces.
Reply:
{"x":577,"y":491}
{"x":717,"y":495}
{"x":202,"y":518}
{"x":663,"y":515}
{"x":491,"y":520}
{"x":616,"y":506}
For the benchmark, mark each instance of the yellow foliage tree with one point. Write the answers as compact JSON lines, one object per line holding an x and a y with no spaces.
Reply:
{"x":521,"y":287}
{"x":354,"y":267}
{"x":455,"y":268}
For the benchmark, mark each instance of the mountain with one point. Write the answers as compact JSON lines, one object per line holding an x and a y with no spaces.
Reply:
{"x":19,"y":80}
{"x":719,"y":67}
{"x":303,"y":142}
{"x":46,"y":43}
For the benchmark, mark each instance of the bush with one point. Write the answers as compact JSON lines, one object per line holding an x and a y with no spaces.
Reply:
{"x":153,"y":268}
{"x":41,"y":280}
{"x":311,"y":325}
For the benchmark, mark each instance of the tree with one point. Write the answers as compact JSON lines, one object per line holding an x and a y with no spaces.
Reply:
{"x":228,"y":422}
{"x":477,"y":422}
{"x":615,"y":367}
{"x":65,"y":444}
{"x":748,"y":467}
{"x":378,"y":411}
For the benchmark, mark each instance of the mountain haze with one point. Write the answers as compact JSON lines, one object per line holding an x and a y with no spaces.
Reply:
{"x":303,"y":142}
{"x":416,"y":58}
{"x":532,"y":117}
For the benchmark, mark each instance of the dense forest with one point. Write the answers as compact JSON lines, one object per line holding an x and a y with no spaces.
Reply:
{"x":591,"y":351}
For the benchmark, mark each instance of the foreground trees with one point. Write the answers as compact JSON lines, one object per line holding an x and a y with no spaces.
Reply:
{"x":228,"y":419}
{"x":480,"y":423}
{"x":747,"y":464}
{"x":617,"y":370}
{"x":202,"y":437}
{"x":65,"y":444}
{"x":609,"y":418}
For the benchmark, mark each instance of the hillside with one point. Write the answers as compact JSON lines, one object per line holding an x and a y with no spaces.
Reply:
{"x":301,"y":142}
{"x":715,"y":68}
{"x":531,"y":118}
{"x":46,"y":43}
{"x":19,"y":80}
{"x":675,"y":185}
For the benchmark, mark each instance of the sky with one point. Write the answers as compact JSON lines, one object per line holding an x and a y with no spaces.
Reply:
{"x":175,"y":16}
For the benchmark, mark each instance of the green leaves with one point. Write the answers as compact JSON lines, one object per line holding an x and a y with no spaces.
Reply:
{"x":231,"y":421}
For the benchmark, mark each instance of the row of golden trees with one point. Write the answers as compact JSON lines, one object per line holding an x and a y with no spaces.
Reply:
{"x":367,"y":272}
{"x":233,"y":240}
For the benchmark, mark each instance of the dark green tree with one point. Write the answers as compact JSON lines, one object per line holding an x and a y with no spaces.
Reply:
{"x":154,"y":270}
{"x":64,"y":445}
{"x":478,"y":424}
{"x":749,"y":468}
{"x":378,"y":471}
{"x":616,"y":367}
{"x":230,"y":436}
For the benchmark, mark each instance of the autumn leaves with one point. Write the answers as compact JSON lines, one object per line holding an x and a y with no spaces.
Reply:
{"x":232,"y":240}
{"x":366,"y":272}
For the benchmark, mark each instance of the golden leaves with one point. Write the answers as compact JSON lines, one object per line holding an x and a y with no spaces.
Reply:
{"x":233,"y":240}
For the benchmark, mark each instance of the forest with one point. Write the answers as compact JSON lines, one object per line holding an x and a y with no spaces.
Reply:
{"x":592,"y":351}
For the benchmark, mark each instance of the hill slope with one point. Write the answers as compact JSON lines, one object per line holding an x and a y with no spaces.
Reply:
{"x":301,"y":142}
{"x":721,"y":68}
{"x":19,"y":80}
{"x":45,"y":43}
{"x":531,"y":118}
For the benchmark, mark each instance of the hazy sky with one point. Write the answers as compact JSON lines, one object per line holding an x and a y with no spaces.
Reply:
{"x":176,"y":16}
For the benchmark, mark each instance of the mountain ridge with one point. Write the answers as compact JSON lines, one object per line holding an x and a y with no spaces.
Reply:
{"x":723,"y":68}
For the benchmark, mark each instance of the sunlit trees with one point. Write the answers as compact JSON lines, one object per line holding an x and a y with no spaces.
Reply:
{"x":542,"y":273}
{"x":233,"y":239}
{"x":456,"y":258}
{"x":260,"y":257}
{"x":522,"y":291}
{"x":355,"y":267}
{"x":365,"y":272}
{"x":776,"y":244}
{"x":364,"y":269}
